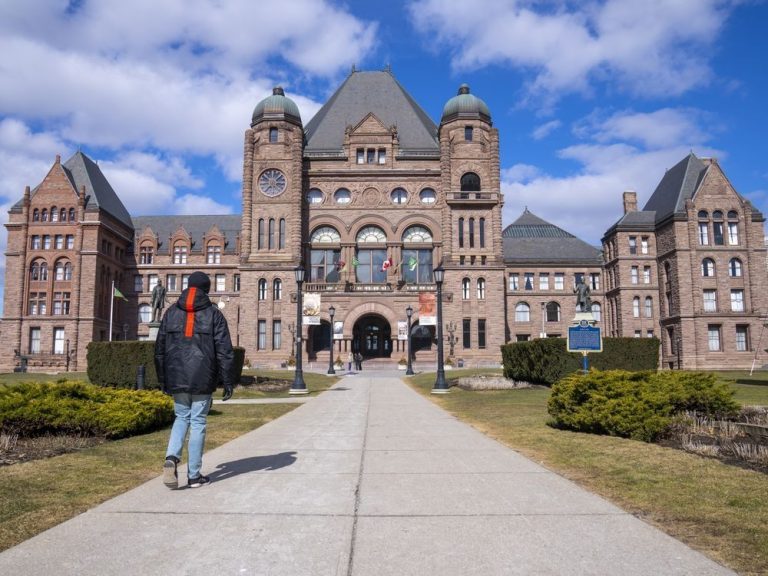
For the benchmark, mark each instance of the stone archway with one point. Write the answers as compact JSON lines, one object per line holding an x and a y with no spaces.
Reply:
{"x":372,"y":337}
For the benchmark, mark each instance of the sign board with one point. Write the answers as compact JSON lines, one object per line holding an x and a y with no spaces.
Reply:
{"x":311,"y":309}
{"x":427,"y":309}
{"x":584,"y":338}
{"x":402,"y":330}
{"x":338,"y":330}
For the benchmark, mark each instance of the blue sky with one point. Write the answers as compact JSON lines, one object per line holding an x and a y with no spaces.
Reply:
{"x":591,"y":98}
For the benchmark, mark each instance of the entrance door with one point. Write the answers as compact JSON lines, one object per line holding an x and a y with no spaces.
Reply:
{"x":373,"y":338}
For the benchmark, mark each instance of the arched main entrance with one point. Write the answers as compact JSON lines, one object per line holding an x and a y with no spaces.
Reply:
{"x":372,"y":337}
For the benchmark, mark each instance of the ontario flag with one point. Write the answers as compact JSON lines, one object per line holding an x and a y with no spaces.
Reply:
{"x":386,"y":264}
{"x":118,"y":294}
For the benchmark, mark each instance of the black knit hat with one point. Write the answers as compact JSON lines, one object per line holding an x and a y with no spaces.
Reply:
{"x":199,"y":280}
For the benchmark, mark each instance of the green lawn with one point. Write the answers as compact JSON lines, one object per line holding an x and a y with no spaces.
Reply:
{"x":315,"y":383}
{"x":37,"y":495}
{"x":718,"y":509}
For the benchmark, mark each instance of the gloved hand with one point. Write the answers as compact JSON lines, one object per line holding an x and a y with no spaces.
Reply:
{"x":228,"y":391}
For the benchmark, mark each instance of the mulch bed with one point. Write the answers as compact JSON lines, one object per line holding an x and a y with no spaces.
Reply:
{"x":14,"y":450}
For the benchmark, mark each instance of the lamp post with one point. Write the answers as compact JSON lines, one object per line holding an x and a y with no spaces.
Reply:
{"x":331,"y":312}
{"x":441,"y":386}
{"x":298,"y":387}
{"x":409,"y":313}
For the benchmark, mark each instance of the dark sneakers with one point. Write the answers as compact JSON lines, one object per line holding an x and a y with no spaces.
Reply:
{"x":170,"y":476}
{"x":199,"y":481}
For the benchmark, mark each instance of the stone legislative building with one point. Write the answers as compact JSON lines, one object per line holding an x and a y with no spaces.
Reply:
{"x":370,"y":197}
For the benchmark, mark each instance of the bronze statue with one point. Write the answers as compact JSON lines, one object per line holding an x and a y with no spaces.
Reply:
{"x":158,"y":301}
{"x":583,"y":300}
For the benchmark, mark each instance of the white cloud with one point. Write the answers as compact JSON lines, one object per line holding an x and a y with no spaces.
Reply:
{"x":652,"y":48}
{"x":520,"y":173}
{"x":541,"y":132}
{"x":664,"y":127}
{"x":196,"y":204}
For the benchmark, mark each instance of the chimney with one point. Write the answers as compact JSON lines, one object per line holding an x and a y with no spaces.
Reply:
{"x":630,"y":201}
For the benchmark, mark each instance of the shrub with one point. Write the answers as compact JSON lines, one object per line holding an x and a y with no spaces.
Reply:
{"x":73,"y":407}
{"x":115,"y":364}
{"x":638,"y":405}
{"x":546,"y":360}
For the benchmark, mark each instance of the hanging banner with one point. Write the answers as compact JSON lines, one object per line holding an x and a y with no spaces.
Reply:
{"x":427,"y":309}
{"x":310,"y":309}
{"x":338,"y":330}
{"x":402,"y":330}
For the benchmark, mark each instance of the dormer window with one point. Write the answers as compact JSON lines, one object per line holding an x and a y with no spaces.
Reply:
{"x":371,"y":156}
{"x":272,"y":135}
{"x":361,"y":156}
{"x":382,"y":156}
{"x":146,"y":254}
{"x":180,"y":251}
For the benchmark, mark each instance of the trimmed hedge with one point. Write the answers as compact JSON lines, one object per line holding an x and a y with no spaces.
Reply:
{"x":545,"y":360}
{"x":637,"y":405}
{"x":72,"y":407}
{"x":115,"y":364}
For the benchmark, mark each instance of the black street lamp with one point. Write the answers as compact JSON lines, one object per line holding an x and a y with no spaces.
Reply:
{"x":331,"y":312}
{"x":441,"y":386}
{"x":298,"y":387}
{"x":409,"y":313}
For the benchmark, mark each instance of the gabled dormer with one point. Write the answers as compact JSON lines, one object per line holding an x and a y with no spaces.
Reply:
{"x":370,"y":142}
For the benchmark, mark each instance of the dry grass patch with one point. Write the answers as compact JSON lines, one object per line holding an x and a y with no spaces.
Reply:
{"x":37,"y":495}
{"x":718,"y":509}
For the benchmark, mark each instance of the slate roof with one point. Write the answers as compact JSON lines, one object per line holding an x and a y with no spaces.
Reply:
{"x":371,"y":92}
{"x":82,"y":171}
{"x":678,"y":185}
{"x":529,"y":239}
{"x":196,"y":227}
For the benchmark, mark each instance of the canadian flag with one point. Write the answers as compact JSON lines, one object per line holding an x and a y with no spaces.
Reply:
{"x":386,"y":264}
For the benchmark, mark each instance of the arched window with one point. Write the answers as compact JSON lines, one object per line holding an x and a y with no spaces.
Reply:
{"x":481,"y":288}
{"x":146,"y":253}
{"x":734,"y":268}
{"x":145,"y":313}
{"x":271,"y":236}
{"x":465,"y":283}
{"x":277,"y":289}
{"x":648,"y":307}
{"x":553,"y":312}
{"x":717,"y":215}
{"x":180,"y":252}
{"x":63,"y":215}
{"x":636,"y":306}
{"x":262,"y":289}
{"x":324,"y":256}
{"x":596,"y":311}
{"x":54,"y":214}
{"x":62,"y":270}
{"x":34,"y":270}
{"x":470,"y":182}
{"x":482,"y":232}
{"x":522,"y":312}
{"x":213,"y":253}
{"x":342,"y":196}
{"x":281,"y":235}
{"x":733,"y":227}
{"x":707,"y":267}
{"x":71,"y":214}
{"x":717,"y":228}
{"x":416,"y":264}
{"x":315,"y":196}
{"x":371,"y":255}
{"x":399,"y":196}
{"x":461,"y":232}
{"x":44,"y":215}
{"x":703,"y":215}
{"x":262,"y":232}
{"x":36,"y":215}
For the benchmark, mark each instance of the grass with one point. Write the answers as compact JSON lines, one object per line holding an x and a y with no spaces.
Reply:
{"x":718,"y":509}
{"x":315,"y":382}
{"x":750,"y":390}
{"x":15,"y":377}
{"x":37,"y":495}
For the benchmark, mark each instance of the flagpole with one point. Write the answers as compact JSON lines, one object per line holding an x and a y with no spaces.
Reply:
{"x":111,"y":309}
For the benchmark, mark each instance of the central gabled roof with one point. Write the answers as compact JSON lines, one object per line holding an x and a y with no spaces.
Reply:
{"x":371,"y":92}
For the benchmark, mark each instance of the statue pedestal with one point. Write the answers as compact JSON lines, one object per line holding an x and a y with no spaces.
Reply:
{"x":583,"y":317}
{"x":154,"y":327}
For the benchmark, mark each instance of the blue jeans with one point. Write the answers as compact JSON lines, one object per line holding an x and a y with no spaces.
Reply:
{"x":191,"y":411}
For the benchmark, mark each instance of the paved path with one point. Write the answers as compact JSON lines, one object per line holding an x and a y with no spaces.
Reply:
{"x":367,"y":479}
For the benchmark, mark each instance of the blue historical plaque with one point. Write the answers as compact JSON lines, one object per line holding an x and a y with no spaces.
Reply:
{"x":584,"y":339}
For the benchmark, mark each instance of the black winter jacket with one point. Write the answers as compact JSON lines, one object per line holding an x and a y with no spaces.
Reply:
{"x":193,"y":350}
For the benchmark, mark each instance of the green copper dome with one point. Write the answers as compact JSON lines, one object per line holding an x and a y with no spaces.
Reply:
{"x":277,"y":107}
{"x":465,"y":105}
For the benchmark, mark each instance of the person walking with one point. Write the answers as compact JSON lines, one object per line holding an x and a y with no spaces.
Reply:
{"x":349,"y":362}
{"x":193,"y":355}
{"x":359,"y":362}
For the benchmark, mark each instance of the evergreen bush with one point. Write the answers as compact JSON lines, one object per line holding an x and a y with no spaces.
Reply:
{"x":115,"y":364}
{"x":637,"y":405}
{"x":72,"y":407}
{"x":546,"y":360}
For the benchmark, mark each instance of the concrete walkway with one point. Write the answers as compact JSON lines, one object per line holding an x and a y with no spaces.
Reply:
{"x":369,"y":479}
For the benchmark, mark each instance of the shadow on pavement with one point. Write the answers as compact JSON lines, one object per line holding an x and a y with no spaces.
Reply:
{"x":227,"y":470}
